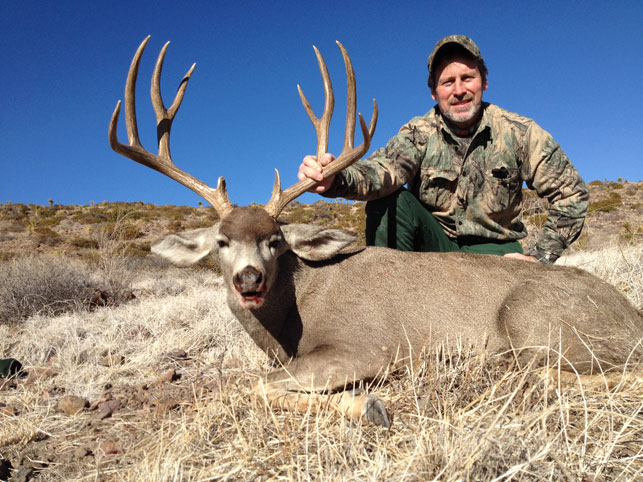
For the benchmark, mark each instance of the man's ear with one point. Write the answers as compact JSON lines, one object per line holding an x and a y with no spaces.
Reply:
{"x":315,"y":243}
{"x":187,"y":248}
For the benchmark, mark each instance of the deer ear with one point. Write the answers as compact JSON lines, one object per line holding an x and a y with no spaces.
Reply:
{"x":315,"y":243}
{"x":185,"y":249}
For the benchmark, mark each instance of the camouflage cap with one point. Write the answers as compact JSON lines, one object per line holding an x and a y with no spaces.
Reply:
{"x":461,"y":40}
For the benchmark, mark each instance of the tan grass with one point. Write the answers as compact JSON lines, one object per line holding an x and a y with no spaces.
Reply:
{"x":620,"y":264}
{"x":463,"y":417}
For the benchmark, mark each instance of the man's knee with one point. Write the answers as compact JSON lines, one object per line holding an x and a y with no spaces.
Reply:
{"x":391,"y":220}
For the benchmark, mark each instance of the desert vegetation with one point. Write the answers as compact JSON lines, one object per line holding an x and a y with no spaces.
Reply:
{"x":133,"y":370}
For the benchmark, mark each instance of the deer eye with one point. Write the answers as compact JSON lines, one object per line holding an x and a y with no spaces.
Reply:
{"x":222,"y":243}
{"x":274,"y":244}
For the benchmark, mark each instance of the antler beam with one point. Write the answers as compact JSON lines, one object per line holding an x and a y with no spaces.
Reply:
{"x":164,"y":117}
{"x":349,"y":155}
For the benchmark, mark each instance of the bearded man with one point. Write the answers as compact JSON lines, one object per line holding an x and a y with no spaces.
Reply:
{"x":464,"y":164}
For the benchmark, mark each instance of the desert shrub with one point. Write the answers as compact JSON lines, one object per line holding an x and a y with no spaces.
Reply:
{"x":202,"y":223}
{"x":138,"y":249}
{"x":11,"y":227}
{"x":85,"y":243}
{"x":89,"y":217}
{"x":299,"y":214}
{"x":611,"y":202}
{"x":630,"y":233}
{"x":6,"y":255}
{"x":47,"y":222}
{"x":43,"y":284}
{"x":14,"y":212}
{"x":176,"y":212}
{"x":127,"y":231}
{"x":112,"y":259}
{"x":596,"y":182}
{"x":46,"y":236}
{"x":175,"y":226}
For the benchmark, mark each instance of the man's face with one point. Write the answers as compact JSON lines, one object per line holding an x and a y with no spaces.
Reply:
{"x":458,"y":90}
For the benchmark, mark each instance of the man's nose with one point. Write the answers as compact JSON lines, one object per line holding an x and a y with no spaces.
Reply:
{"x":459,"y":88}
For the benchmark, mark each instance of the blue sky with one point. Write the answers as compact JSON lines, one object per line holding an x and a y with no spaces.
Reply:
{"x":574,"y":67}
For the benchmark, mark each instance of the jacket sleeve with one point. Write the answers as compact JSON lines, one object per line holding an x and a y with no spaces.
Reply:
{"x":548,"y":170}
{"x":384,"y":171}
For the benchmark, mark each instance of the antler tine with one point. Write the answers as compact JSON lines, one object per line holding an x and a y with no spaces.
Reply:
{"x":322,"y":124}
{"x":349,"y":155}
{"x":165,"y":117}
{"x":351,"y":99}
{"x":162,"y":162}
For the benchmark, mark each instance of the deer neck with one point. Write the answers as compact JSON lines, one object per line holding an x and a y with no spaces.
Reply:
{"x":275,"y":327}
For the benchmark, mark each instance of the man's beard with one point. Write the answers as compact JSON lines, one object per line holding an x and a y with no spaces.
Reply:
{"x":461,"y":117}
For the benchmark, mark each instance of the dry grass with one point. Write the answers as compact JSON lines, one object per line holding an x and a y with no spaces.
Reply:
{"x":463,"y":417}
{"x":620,"y":264}
{"x":43,"y":285}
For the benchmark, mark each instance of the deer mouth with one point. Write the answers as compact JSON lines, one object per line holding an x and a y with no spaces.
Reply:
{"x":250,"y":285}
{"x":252,"y":299}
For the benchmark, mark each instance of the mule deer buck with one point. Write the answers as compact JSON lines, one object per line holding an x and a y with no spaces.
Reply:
{"x":332,"y":317}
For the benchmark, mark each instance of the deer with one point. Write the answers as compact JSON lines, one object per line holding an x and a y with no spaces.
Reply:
{"x":333,"y":316}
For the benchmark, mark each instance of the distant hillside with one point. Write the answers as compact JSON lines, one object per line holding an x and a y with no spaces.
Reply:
{"x":615,"y":215}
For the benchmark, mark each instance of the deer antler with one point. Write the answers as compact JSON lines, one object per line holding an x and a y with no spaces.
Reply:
{"x":349,"y":155}
{"x":164,"y":117}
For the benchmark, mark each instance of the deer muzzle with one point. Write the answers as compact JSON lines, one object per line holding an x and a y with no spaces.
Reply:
{"x":250,"y":286}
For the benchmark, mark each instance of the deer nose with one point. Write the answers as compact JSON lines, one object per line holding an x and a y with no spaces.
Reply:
{"x":248,"y":279}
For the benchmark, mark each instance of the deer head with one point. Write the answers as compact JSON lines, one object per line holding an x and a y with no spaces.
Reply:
{"x":249,"y":240}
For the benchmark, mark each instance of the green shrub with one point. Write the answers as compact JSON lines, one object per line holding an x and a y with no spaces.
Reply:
{"x":138,"y":249}
{"x":611,"y":202}
{"x":631,"y":234}
{"x":46,"y":236}
{"x":15,"y":212}
{"x":85,"y":243}
{"x":89,"y":217}
{"x":124,"y":231}
{"x":204,"y":223}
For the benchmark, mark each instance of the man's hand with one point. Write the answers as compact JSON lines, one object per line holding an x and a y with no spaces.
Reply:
{"x":310,"y":169}
{"x":522,"y":257}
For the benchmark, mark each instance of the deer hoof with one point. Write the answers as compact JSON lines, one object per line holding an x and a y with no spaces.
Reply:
{"x":375,"y":412}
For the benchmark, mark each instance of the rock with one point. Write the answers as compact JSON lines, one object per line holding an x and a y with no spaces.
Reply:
{"x":81,"y":452}
{"x":168,"y":376}
{"x":23,"y":474}
{"x":71,"y":404}
{"x":109,"y":447}
{"x":176,"y":355}
{"x":165,"y":405}
{"x":107,"y":408}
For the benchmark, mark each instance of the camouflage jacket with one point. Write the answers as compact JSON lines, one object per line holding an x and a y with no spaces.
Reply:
{"x":477,"y":191}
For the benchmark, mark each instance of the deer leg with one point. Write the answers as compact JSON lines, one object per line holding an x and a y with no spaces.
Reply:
{"x":304,"y":384}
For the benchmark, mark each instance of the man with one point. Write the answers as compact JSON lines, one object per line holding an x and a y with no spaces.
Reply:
{"x":464,"y":163}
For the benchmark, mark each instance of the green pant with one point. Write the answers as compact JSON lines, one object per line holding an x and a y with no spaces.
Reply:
{"x":401,"y":222}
